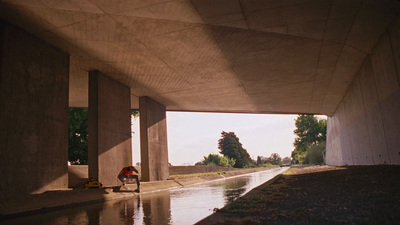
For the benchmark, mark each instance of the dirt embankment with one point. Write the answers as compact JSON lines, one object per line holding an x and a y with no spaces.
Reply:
{"x":320,"y":195}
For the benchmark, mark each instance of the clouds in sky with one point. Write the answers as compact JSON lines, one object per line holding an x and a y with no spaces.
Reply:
{"x":194,"y":135}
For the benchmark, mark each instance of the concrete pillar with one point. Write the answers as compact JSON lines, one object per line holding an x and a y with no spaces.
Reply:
{"x":153,"y":140}
{"x":110,"y":146}
{"x":33,"y":114}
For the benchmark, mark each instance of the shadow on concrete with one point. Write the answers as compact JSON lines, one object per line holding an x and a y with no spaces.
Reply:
{"x":126,"y":189}
{"x":50,"y":200}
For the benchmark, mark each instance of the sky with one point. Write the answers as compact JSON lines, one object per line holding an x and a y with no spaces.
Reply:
{"x":191,"y":136}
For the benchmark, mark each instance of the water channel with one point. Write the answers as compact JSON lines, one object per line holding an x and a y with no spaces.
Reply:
{"x":186,"y":205}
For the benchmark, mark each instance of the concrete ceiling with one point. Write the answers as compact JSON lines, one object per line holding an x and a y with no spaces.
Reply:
{"x":253,"y":56}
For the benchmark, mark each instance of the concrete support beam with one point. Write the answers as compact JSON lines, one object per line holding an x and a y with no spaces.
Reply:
{"x":153,"y":140}
{"x":110,"y":146}
{"x":33,"y":114}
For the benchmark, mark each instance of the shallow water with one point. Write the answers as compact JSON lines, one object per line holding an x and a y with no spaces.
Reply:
{"x":186,"y":205}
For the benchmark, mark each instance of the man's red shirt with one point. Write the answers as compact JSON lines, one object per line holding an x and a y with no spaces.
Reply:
{"x":128,"y":173}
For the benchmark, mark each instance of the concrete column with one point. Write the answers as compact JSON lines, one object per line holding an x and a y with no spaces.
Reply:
{"x":33,"y":114}
{"x":153,"y":140}
{"x":110,"y":146}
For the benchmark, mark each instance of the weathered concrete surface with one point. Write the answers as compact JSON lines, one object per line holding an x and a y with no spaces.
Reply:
{"x":365,"y":128}
{"x":78,"y":85}
{"x":33,"y":114}
{"x":228,"y":56}
{"x":77,"y":175}
{"x":110,"y":147}
{"x":153,"y":140}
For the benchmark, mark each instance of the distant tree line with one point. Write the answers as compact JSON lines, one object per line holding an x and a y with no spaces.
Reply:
{"x":309,"y":147}
{"x":233,"y":154}
{"x":232,"y":151}
{"x":274,"y":159}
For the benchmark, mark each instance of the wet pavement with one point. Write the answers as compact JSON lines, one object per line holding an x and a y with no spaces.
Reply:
{"x":185,"y":205}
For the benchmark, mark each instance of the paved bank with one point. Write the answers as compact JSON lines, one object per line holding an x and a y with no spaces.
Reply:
{"x":320,"y":195}
{"x":67,"y":198}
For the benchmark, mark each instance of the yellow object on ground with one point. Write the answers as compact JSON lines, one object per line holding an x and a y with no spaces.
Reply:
{"x":93,"y":183}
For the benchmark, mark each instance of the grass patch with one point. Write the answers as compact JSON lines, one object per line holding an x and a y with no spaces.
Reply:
{"x":171,"y":177}
{"x":268,"y":165}
{"x":304,"y":169}
{"x":198,"y":174}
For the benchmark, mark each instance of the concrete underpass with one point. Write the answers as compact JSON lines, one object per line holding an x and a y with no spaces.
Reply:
{"x":336,"y":58}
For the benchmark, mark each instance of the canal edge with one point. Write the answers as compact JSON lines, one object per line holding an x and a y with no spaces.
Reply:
{"x":71,"y":198}
{"x":218,"y":216}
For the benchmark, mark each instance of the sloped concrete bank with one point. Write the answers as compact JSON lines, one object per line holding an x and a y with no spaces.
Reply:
{"x":71,"y":197}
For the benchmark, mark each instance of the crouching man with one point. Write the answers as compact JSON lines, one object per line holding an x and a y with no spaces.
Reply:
{"x":128,"y":173}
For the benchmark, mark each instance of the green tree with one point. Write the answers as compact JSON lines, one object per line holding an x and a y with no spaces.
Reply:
{"x":135,"y":113}
{"x":315,"y":154}
{"x":230,"y":146}
{"x":309,"y":132}
{"x":217,"y":160}
{"x":274,"y":159}
{"x":78,"y":135}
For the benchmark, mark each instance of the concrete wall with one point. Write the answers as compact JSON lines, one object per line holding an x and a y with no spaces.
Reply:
{"x":365,"y":129}
{"x":153,"y":140}
{"x":33,"y":114}
{"x":110,"y":147}
{"x":77,"y":175}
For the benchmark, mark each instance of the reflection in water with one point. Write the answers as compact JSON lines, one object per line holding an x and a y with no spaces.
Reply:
{"x":235,"y":189}
{"x":156,"y":208}
{"x":232,"y":194}
{"x":128,"y":210}
{"x":178,"y":206}
{"x":93,"y":216}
